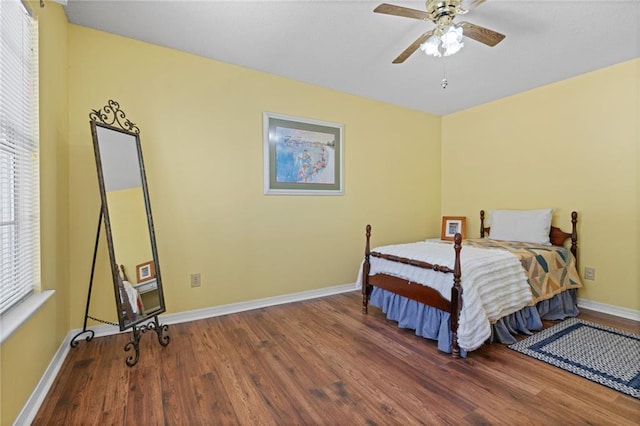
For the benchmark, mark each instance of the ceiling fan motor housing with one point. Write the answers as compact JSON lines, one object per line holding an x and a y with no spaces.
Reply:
{"x":442,"y":12}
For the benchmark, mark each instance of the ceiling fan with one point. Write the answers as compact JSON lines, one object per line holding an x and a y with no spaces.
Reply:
{"x":446,"y":38}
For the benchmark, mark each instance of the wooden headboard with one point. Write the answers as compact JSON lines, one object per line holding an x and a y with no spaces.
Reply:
{"x":556,"y":235}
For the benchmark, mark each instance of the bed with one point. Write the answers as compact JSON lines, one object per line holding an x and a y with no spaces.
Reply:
{"x":463,"y":294}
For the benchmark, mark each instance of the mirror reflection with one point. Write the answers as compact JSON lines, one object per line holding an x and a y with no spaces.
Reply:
{"x":128,"y":223}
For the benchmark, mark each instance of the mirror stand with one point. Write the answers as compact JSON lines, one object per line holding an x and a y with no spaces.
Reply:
{"x":126,"y":215}
{"x":162,"y":330}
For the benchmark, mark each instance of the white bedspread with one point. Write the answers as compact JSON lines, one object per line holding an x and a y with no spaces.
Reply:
{"x":494,"y":283}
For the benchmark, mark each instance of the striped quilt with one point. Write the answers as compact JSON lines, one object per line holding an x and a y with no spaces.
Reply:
{"x":550,"y":269}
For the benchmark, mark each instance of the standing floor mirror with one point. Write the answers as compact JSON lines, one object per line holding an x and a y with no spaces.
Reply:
{"x":128,"y":224}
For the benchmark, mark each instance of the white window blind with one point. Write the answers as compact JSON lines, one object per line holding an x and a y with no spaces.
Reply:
{"x":19,"y":177}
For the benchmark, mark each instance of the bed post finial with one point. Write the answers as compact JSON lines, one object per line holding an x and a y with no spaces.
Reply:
{"x":574,"y":235}
{"x":456,"y":297}
{"x":366,"y":266}
{"x":481,"y":223}
{"x":367,"y":249}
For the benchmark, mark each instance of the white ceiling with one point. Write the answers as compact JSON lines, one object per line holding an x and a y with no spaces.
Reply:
{"x":343,"y":45}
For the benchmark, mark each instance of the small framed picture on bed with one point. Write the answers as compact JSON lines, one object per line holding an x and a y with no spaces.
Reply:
{"x":452,"y":225}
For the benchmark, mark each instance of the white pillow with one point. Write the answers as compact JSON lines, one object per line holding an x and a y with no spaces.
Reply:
{"x":526,"y":226}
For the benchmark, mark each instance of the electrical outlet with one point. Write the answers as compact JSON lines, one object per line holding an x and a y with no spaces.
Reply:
{"x":196,"y":280}
{"x":589,"y":273}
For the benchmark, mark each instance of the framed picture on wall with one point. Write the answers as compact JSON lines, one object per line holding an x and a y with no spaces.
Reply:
{"x":451,"y":225}
{"x":302,"y":156}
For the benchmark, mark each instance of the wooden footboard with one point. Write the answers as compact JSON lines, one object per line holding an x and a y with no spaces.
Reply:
{"x":416,"y":291}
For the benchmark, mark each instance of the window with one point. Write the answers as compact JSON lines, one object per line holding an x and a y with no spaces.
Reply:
{"x":19,"y":186}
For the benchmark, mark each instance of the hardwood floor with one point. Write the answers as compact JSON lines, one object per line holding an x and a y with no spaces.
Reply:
{"x":320,"y":362}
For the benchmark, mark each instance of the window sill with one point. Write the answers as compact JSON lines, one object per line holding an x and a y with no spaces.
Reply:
{"x":14,"y":318}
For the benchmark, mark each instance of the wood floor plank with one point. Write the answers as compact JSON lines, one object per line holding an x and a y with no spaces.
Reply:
{"x":285,"y":365}
{"x":144,"y":397}
{"x":367,"y":378}
{"x":320,"y":362}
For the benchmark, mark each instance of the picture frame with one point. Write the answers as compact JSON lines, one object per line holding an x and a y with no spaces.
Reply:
{"x":302,"y":156}
{"x":145,"y":271}
{"x":452,"y":225}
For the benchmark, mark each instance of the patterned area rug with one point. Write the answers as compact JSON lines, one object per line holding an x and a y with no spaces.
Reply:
{"x":601,"y":354}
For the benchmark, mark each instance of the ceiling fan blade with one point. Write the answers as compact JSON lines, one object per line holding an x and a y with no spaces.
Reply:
{"x":413,"y":47}
{"x":481,"y":34}
{"x":390,"y":9}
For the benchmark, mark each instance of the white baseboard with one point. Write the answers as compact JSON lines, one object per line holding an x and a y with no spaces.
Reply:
{"x":217,"y":311}
{"x":631,"y":314}
{"x":30,"y":409}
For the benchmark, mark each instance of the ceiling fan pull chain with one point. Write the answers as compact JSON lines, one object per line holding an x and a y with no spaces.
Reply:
{"x":444,"y":83}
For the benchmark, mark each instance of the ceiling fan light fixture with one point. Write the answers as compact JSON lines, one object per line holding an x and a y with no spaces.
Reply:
{"x":451,"y":34}
{"x":444,"y":42}
{"x":452,"y":40}
{"x":432,"y":46}
{"x":454,"y":48}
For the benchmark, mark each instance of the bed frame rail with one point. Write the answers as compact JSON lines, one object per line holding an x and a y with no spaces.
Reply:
{"x":416,"y":291}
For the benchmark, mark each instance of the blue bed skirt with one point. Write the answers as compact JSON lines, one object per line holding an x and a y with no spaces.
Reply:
{"x":432,"y":323}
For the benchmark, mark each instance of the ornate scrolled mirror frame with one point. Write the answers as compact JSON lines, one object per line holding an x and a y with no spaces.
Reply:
{"x":128,"y":223}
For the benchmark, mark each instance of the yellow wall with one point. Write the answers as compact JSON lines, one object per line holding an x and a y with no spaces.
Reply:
{"x":201,"y":134}
{"x":26,"y":354}
{"x":572,"y":145}
{"x":637,"y":194}
{"x":128,"y":220}
{"x":638,"y":159}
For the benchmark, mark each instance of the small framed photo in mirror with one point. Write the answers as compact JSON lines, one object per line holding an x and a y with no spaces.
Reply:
{"x":452,"y":225}
{"x":145,"y":271}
